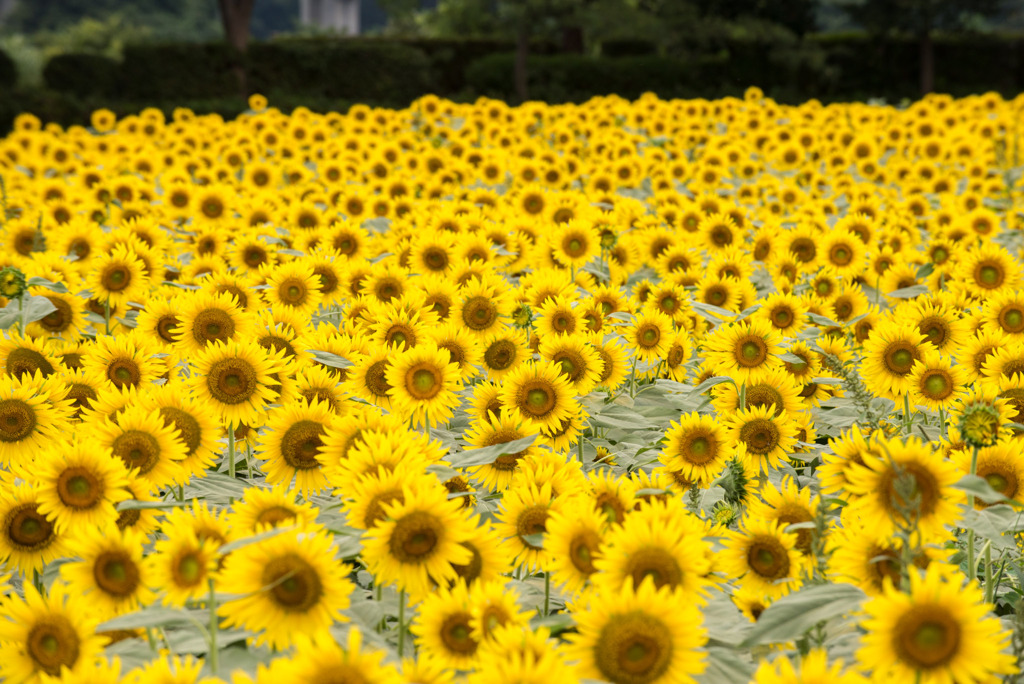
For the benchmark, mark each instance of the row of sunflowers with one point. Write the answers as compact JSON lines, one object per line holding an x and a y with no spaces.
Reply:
{"x":635,"y":392}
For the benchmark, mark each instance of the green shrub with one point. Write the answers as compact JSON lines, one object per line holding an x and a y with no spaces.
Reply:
{"x":8,"y":72}
{"x":184,"y":71}
{"x":82,"y":75}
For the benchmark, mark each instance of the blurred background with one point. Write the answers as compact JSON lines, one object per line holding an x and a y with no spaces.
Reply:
{"x":62,"y":58}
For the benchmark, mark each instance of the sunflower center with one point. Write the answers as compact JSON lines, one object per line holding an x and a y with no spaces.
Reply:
{"x":185,"y":423}
{"x":188,"y":570}
{"x":572,"y":364}
{"x":274,"y":516}
{"x":17,"y":420}
{"x":768,"y":558}
{"x":760,"y":435}
{"x":583,"y":549}
{"x":231,"y":381}
{"x":764,"y":395}
{"x":635,"y":648}
{"x":751,"y":352}
{"x":479,"y":313}
{"x":23,"y":361}
{"x":212,"y":325}
{"x":656,"y":563}
{"x":1011,"y":319}
{"x":899,"y":358}
{"x":649,"y":336}
{"x":53,"y":644}
{"x":575,"y":246}
{"x":500,"y":355}
{"x":292,"y":292}
{"x":539,"y":399}
{"x":937,"y":385}
{"x":841,"y":255}
{"x":471,"y":570}
{"x":123,"y":372}
{"x":79,"y":488}
{"x":926,"y":637}
{"x":532,"y":520}
{"x":59,"y":320}
{"x":374,"y":379}
{"x":698,"y":449}
{"x":423,"y":381}
{"x":455,"y":633}
{"x":137,"y":449}
{"x":115,"y":278}
{"x":989,"y":276}
{"x":301,"y":443}
{"x":166,"y":326}
{"x":921,"y":487}
{"x":294,"y":584}
{"x":116,"y":573}
{"x":415,"y":537}
{"x":781,"y":318}
{"x":26,"y":529}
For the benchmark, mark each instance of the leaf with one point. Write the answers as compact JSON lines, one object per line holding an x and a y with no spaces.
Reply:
{"x":381,"y":224}
{"x":534,"y":540}
{"x":711,"y":382}
{"x":823,"y":321}
{"x":791,"y":616}
{"x":979,"y":487}
{"x":713,"y":313}
{"x":151,"y":617}
{"x":556,"y":622}
{"x":925,"y":271}
{"x":908,"y":292}
{"x":487,"y":455}
{"x":725,"y":667}
{"x":36,"y":281}
{"x":790,"y":357}
{"x":245,"y":541}
{"x":32,"y":309}
{"x":136,"y":505}
{"x":827,"y":381}
{"x":329,"y":359}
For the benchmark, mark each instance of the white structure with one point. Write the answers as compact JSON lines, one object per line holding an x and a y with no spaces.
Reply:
{"x":5,"y":8}
{"x":341,"y":16}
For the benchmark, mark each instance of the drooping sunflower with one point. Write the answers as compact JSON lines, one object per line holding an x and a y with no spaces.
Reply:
{"x":890,"y":352}
{"x":764,"y":557}
{"x":698,"y":446}
{"x":286,"y":585}
{"x":79,"y":483}
{"x":423,"y":384}
{"x":51,"y":636}
{"x":291,"y":443}
{"x":634,"y":635}
{"x":941,"y":631}
{"x":762,"y":438}
{"x":539,"y":392}
{"x":204,"y":318}
{"x":181,"y":566}
{"x":236,"y":379}
{"x":895,"y":467}
{"x":110,"y":571}
{"x":743,"y":350}
{"x":141,"y":439}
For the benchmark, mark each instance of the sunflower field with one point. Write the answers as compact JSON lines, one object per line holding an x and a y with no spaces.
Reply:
{"x":631,"y":392}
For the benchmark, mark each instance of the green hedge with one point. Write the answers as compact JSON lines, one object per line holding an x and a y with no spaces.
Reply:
{"x":185,"y":71}
{"x":8,"y":72}
{"x":83,"y":75}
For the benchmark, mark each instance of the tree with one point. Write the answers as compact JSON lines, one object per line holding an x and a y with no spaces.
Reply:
{"x":236,"y":16}
{"x":920,"y":18}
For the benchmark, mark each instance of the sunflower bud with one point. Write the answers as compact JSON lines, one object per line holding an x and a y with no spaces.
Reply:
{"x":12,"y":282}
{"x":522,"y":316}
{"x":979,"y":424}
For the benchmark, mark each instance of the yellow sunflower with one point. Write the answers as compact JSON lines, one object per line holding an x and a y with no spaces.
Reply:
{"x":144,"y":443}
{"x":743,"y":350}
{"x":424,"y":384}
{"x":111,"y":571}
{"x":696,"y":445}
{"x":79,"y":483}
{"x":762,"y":438}
{"x":203,"y":319}
{"x":236,"y":379}
{"x":764,"y":557}
{"x":181,"y":566}
{"x":537,"y":391}
{"x":291,"y":443}
{"x":28,"y":540}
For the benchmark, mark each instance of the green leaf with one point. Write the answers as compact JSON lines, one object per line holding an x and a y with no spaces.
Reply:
{"x":979,"y":487}
{"x":135,"y":505}
{"x":715,"y":314}
{"x":791,"y":616}
{"x":823,"y":321}
{"x":36,"y":281}
{"x":556,"y":622}
{"x":790,"y":357}
{"x":487,"y":455}
{"x":534,"y":540}
{"x":908,"y":292}
{"x":925,"y":271}
{"x":711,"y":382}
{"x":152,"y":617}
{"x":245,"y":541}
{"x":827,"y":381}
{"x":32,"y":309}
{"x":725,"y":667}
{"x":329,"y":359}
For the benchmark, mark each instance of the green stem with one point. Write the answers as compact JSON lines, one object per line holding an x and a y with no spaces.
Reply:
{"x":632,"y":380}
{"x":579,"y":449}
{"x":152,"y":642}
{"x":231,"y":450}
{"x":213,"y":656}
{"x":972,"y":564}
{"x":906,"y":413}
{"x":248,"y":459}
{"x":21,"y":324}
{"x":106,"y":315}
{"x":942,"y":423}
{"x":401,"y":623}
{"x":547,"y":592}
{"x":743,"y":397}
{"x":988,"y":572}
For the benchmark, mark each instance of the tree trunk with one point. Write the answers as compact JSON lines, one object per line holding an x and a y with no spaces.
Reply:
{"x":522,"y":51}
{"x":236,"y":16}
{"x":927,"y":62}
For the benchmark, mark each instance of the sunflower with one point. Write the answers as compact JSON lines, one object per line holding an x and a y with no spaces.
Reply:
{"x":418,"y":542}
{"x":988,"y":270}
{"x":761,"y":438}
{"x":236,"y":379}
{"x":66,"y":321}
{"x":494,"y":607}
{"x":789,"y":505}
{"x":444,"y":627}
{"x":194,"y":420}
{"x":423,"y":384}
{"x":28,"y":423}
{"x":325,"y":660}
{"x":813,"y":667}
{"x":574,"y":536}
{"x":634,"y":635}
{"x":294,"y":284}
{"x":20,"y":356}
{"x":743,"y":350}
{"x":537,"y":391}
{"x":890,"y":353}
{"x":118,"y":277}
{"x":291,"y":443}
{"x":51,"y":636}
{"x":203,"y":319}
{"x":579,"y":363}
{"x":772,"y":388}
{"x":936,"y":383}
{"x":462,"y":346}
{"x":286,"y":585}
{"x":122,"y":360}
{"x":893,"y":469}
{"x":79,"y":483}
{"x":111,"y":571}
{"x":499,"y":429}
{"x":524,"y":513}
{"x":764,"y":557}
{"x":650,"y":336}
{"x":181,"y":566}
{"x":575,"y":242}
{"x":697,"y":446}
{"x":1001,"y":465}
{"x":28,"y":540}
{"x":260,"y":510}
{"x":662,"y":542}
{"x":141,"y":439}
{"x":941,"y":631}
{"x":859,"y":556}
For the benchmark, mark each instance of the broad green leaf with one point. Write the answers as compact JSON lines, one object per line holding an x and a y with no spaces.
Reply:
{"x":823,"y":321}
{"x":329,"y":359}
{"x":791,"y":616}
{"x":153,"y":617}
{"x":711,"y":382}
{"x":979,"y":487}
{"x":726,"y":666}
{"x":136,"y":505}
{"x":556,"y":622}
{"x":908,"y":292}
{"x":534,"y":540}
{"x":487,"y":455}
{"x":36,"y":281}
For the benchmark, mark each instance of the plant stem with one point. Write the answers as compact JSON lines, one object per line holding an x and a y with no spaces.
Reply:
{"x":401,"y":623}
{"x":988,"y":572}
{"x":547,"y":592}
{"x":942,"y":423}
{"x":231,"y":450}
{"x":213,"y":656}
{"x":972,"y":564}
{"x":106,"y":315}
{"x":743,"y":397}
{"x":21,"y":314}
{"x":579,"y":448}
